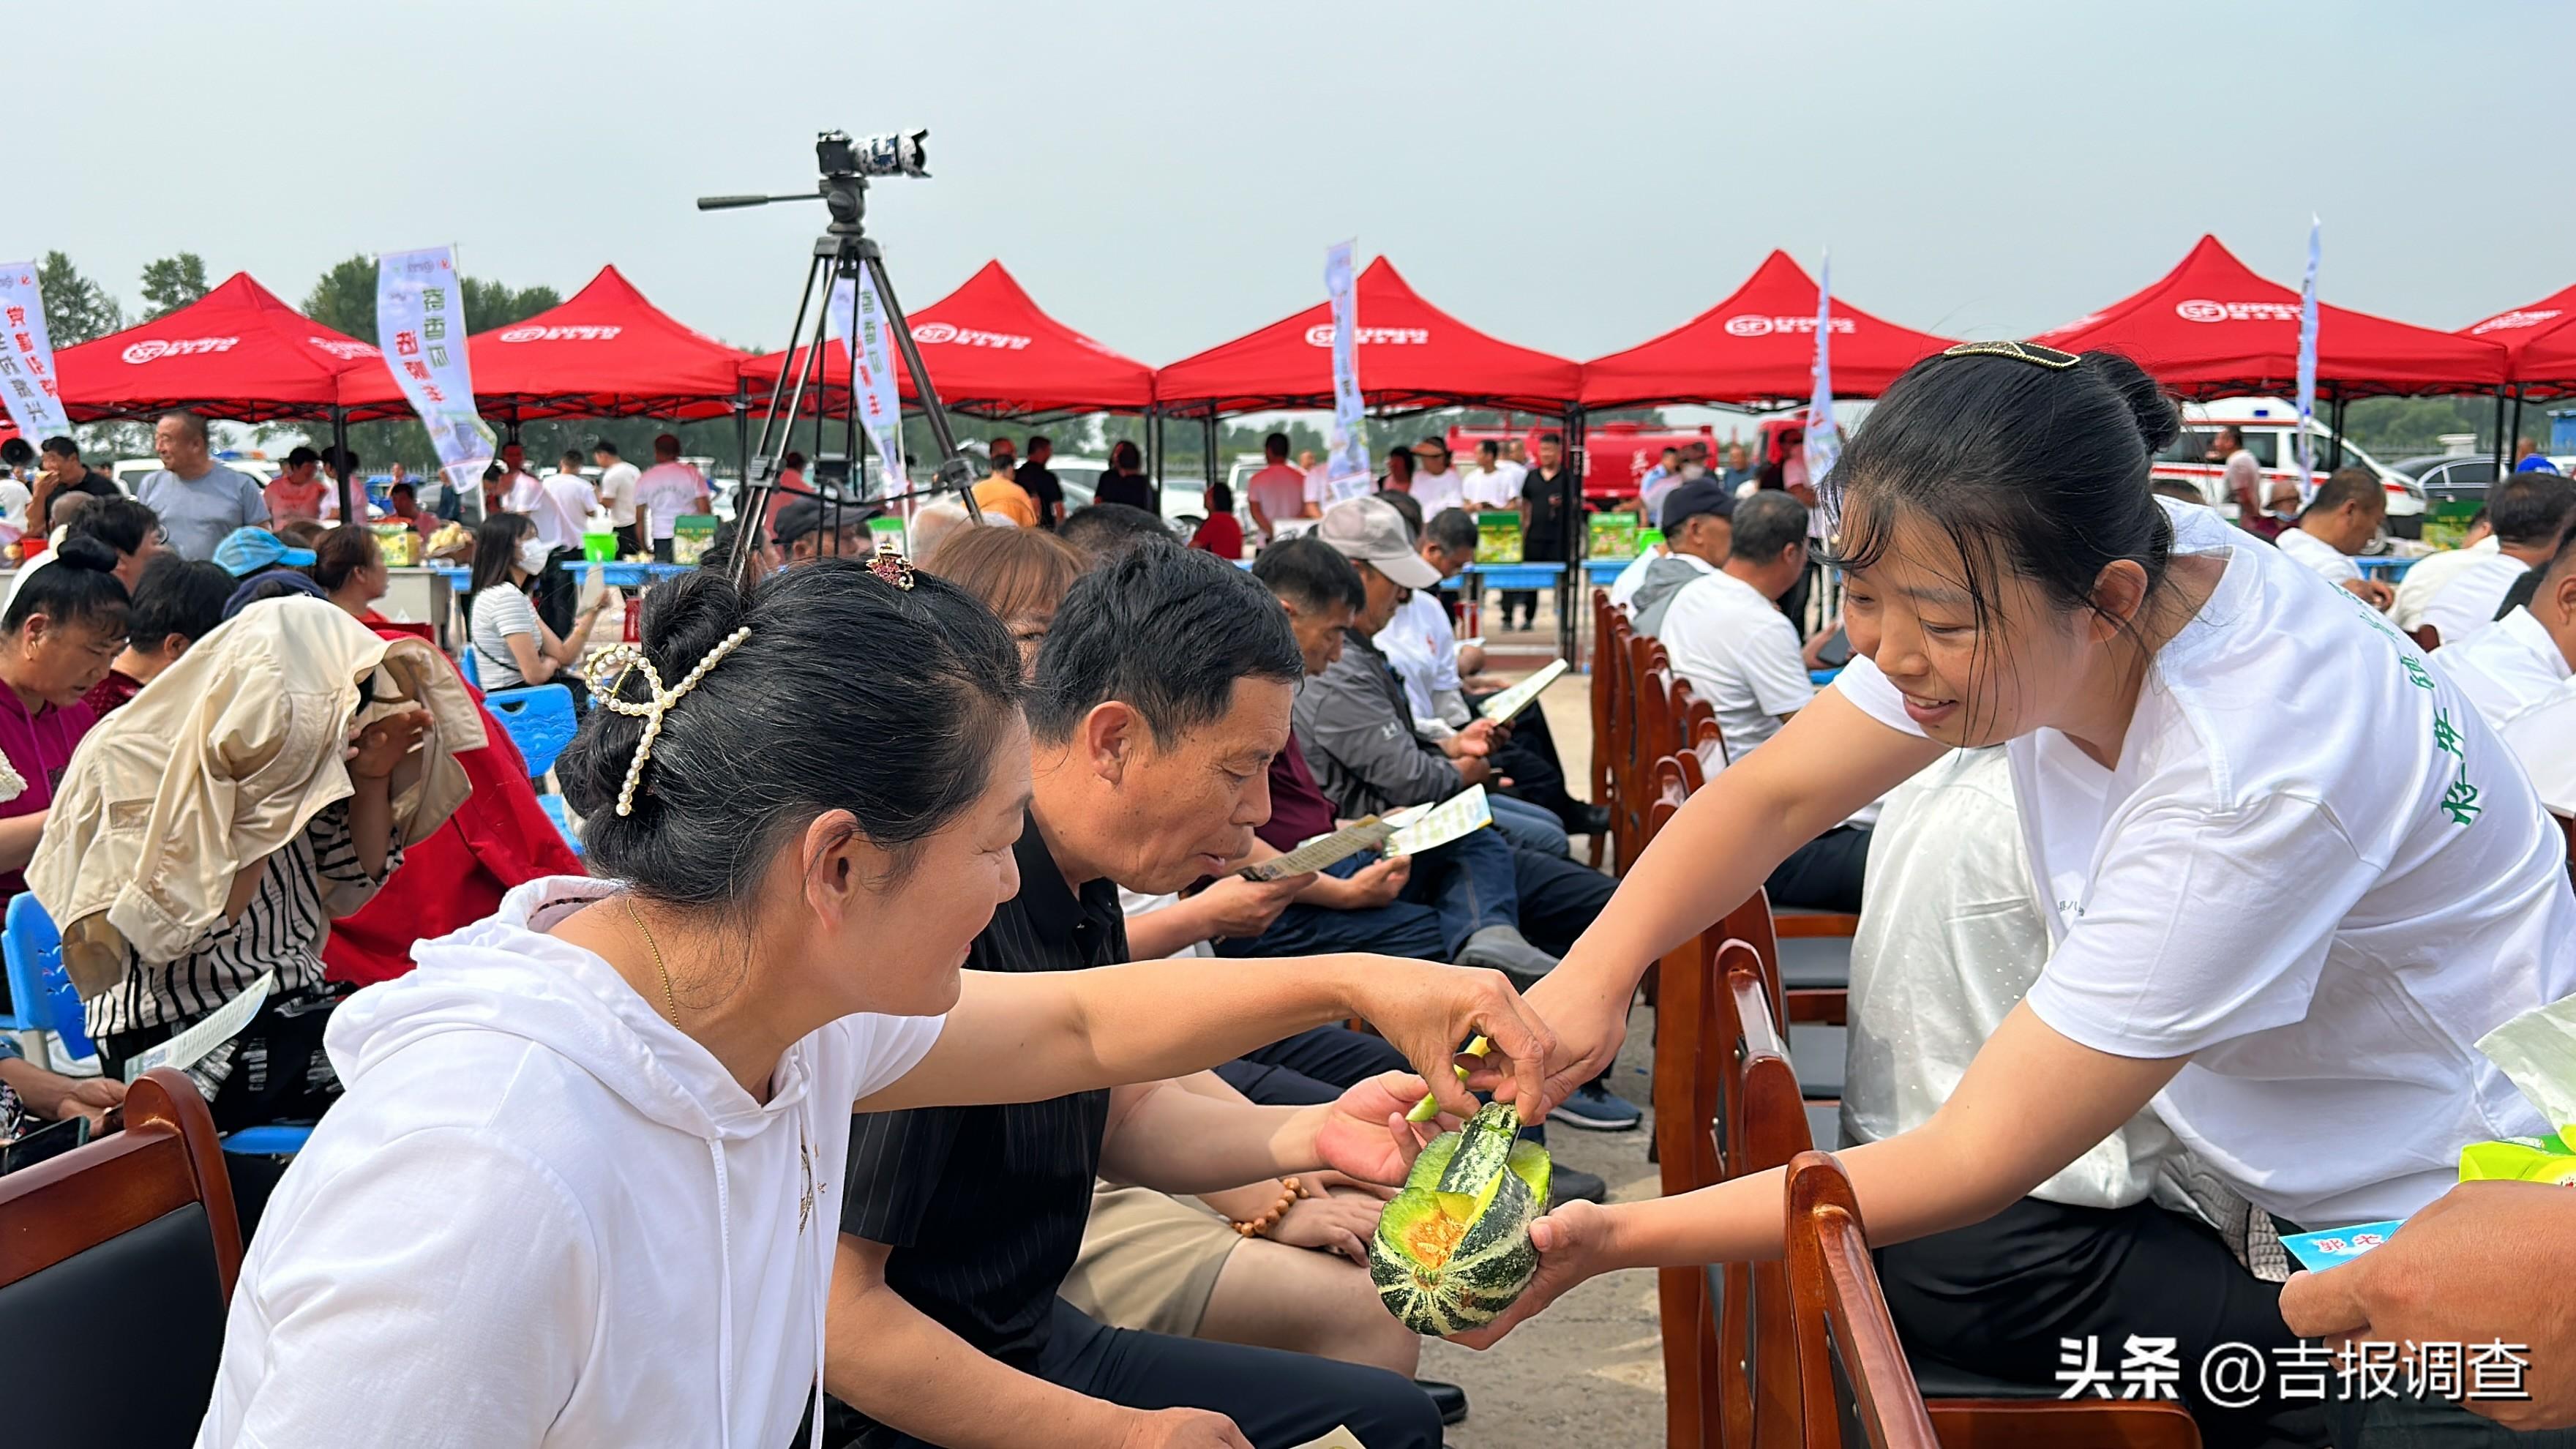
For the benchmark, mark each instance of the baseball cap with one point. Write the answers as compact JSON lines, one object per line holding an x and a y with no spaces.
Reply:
{"x":1370,"y":531}
{"x":248,"y":550}
{"x":805,"y":516}
{"x":1690,"y":500}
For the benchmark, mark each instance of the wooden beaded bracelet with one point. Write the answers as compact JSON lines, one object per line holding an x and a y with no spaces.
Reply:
{"x":1260,"y":1227}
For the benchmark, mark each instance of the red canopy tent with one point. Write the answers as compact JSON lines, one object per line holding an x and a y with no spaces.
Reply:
{"x":1757,"y":346}
{"x":991,"y":350}
{"x":236,"y":353}
{"x":2539,"y":342}
{"x":2212,"y":328}
{"x":1411,"y":355}
{"x":606,"y":352}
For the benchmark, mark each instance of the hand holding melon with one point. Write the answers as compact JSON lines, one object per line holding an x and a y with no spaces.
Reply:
{"x":1425,"y":1010}
{"x":1452,"y":1252}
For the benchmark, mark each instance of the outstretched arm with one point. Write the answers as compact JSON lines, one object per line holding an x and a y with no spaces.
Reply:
{"x":2032,"y":1102}
{"x":1025,"y":1037}
{"x":1829,"y":760}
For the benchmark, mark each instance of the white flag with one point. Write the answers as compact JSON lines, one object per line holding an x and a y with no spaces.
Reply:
{"x":1346,"y":475}
{"x":1824,"y":442}
{"x":860,"y":316}
{"x":2308,"y":370}
{"x":27,"y":382}
{"x":420,"y":319}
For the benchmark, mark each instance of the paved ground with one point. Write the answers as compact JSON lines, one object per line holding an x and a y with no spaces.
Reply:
{"x":1590,"y":1370}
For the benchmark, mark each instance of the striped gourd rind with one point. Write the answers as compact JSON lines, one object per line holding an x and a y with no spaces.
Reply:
{"x":1452,"y":1250}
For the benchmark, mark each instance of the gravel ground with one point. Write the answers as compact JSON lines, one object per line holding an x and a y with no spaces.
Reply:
{"x":1590,"y":1370}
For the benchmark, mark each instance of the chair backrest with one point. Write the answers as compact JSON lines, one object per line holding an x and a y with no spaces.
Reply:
{"x":1766,"y":1125}
{"x":40,"y":991}
{"x":466,"y":666}
{"x":1840,"y":1317}
{"x":541,"y":721}
{"x":129,"y":1240}
{"x":1605,"y":682}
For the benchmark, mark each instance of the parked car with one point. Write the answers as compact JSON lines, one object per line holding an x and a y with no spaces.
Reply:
{"x":2450,"y":477}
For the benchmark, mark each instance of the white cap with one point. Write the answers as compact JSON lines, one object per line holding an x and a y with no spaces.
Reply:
{"x":1369,"y":530}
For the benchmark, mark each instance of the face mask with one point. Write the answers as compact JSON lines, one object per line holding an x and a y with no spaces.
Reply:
{"x":1693,"y":470}
{"x":532,"y":555}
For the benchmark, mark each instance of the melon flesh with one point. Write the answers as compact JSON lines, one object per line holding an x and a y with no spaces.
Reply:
{"x":1452,"y":1250}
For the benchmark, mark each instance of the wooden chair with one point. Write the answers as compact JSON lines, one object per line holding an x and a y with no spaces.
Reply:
{"x":1839,"y":1316}
{"x":125,"y":1251}
{"x":1605,"y":683}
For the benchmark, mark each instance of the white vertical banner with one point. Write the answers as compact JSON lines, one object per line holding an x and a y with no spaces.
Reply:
{"x":1346,"y":474}
{"x":2308,"y":369}
{"x":860,"y":317}
{"x":27,"y":382}
{"x":1824,"y":441}
{"x":420,"y":322}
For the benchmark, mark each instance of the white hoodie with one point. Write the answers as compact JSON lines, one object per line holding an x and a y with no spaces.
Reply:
{"x":544,"y":1216}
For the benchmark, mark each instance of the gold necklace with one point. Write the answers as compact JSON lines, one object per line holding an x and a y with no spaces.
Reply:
{"x":670,"y":1000}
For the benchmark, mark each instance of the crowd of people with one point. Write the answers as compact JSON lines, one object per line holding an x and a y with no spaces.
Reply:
{"x":2164,"y":854}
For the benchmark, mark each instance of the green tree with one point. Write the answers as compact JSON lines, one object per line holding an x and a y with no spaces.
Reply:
{"x":172,"y":283}
{"x":344,"y":300}
{"x":490,"y":304}
{"x":76,"y":308}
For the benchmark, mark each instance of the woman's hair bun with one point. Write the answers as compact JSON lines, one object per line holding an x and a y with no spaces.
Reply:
{"x":2159,"y":421}
{"x":687,"y":616}
{"x":86,"y":553}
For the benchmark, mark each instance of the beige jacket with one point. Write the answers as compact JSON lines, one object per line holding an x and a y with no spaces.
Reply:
{"x":219,"y":761}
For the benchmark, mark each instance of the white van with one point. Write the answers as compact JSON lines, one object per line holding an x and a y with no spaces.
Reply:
{"x":2269,"y":426}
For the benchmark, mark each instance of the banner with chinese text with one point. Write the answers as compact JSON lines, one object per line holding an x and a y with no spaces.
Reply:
{"x":420,"y":323}
{"x":860,"y":315}
{"x":1346,"y":474}
{"x":27,"y":382}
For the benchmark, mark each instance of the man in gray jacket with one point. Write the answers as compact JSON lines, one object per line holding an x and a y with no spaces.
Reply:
{"x":1698,"y":530}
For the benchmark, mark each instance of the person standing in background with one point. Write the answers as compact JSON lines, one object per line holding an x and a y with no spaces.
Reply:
{"x":1739,"y":468}
{"x":1278,"y":492}
{"x":617,"y":494}
{"x":1488,"y":485}
{"x":199,"y":500}
{"x":1436,"y":486}
{"x":1125,"y":481}
{"x":297,"y":492}
{"x":1543,"y":523}
{"x":563,"y":504}
{"x":1000,"y":493}
{"x":520,"y":490}
{"x":1399,"y":471}
{"x":1041,"y":483}
{"x":665,"y":491}
{"x":1316,"y":472}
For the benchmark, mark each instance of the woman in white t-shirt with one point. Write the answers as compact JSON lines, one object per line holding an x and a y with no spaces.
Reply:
{"x":582,"y":1189}
{"x":512,"y":646}
{"x":2290,"y":876}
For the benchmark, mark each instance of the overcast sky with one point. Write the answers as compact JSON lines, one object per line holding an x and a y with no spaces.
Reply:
{"x":1575,"y":177}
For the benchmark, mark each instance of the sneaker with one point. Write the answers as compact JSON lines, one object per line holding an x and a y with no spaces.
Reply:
{"x":1505,"y":949}
{"x":1595,"y":1108}
{"x":1572,"y":1184}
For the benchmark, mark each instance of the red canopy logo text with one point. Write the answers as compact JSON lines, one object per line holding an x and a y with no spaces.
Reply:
{"x":1321,"y":335}
{"x":1751,"y":324}
{"x":2198,"y":309}
{"x":2511,"y":320}
{"x":154,"y":347}
{"x":966,"y":336}
{"x":560,"y":334}
{"x":343,"y":350}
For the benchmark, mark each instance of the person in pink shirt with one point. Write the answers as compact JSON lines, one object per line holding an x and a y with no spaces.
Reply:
{"x":59,"y":634}
{"x":296,"y":493}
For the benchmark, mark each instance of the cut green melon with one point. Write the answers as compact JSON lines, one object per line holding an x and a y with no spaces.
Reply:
{"x":1452,"y":1250}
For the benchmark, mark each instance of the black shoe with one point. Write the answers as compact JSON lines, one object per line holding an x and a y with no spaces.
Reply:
{"x":1573,"y":1184}
{"x":1449,"y":1399}
{"x":1587,"y":820}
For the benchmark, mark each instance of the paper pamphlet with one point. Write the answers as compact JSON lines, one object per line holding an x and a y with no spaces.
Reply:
{"x":1323,"y":850}
{"x":1422,"y":828}
{"x":1517,"y":698}
{"x":1340,"y":1438}
{"x":189,"y":1047}
{"x":2320,"y":1251}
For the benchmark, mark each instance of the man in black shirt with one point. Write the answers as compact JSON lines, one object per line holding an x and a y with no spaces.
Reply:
{"x":1543,"y":523}
{"x":1040,"y":481}
{"x":1159,"y":701}
{"x":61,"y":463}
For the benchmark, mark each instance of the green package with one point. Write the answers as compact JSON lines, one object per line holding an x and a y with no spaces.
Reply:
{"x":2537,"y":1050}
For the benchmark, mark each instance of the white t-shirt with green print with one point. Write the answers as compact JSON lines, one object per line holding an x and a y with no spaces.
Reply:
{"x":2316,"y":872}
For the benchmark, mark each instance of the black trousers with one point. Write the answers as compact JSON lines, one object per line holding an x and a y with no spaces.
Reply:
{"x":661,"y":550}
{"x":1794,"y":602}
{"x":1312,"y":1067}
{"x":1825,"y":873}
{"x":1996,"y":1298}
{"x":1525,"y":600}
{"x":1277,"y":1399}
{"x":1529,"y":760}
{"x":559,"y":591}
{"x":630,"y":540}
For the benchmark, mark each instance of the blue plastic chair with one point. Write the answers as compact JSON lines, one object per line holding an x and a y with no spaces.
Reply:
{"x":541,"y":721}
{"x":556,"y":811}
{"x":277,"y":1139}
{"x":40,"y":993}
{"x":465,"y":666}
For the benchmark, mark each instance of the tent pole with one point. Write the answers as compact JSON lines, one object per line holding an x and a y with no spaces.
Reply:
{"x":2516,"y":429}
{"x":2334,"y":452}
{"x":2500,"y":444}
{"x":1210,"y":435}
{"x":742,"y":434}
{"x":1571,"y":532}
{"x":1154,"y":459}
{"x":340,"y":461}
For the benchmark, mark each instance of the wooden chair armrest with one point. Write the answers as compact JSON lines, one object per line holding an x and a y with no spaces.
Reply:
{"x":1786,"y":923}
{"x":2062,"y":1424}
{"x":1829,"y":1006}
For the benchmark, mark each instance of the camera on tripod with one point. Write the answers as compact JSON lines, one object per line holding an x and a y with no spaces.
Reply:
{"x":895,"y":153}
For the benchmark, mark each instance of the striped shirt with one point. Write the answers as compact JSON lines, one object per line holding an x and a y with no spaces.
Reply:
{"x":313,"y":878}
{"x":984,"y":1207}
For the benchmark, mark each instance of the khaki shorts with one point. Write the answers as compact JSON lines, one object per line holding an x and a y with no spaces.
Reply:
{"x":1148,"y":1261}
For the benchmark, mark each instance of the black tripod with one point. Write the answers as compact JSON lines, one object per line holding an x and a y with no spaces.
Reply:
{"x":844,"y":250}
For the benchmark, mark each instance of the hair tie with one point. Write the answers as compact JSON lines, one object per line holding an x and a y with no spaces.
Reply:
{"x":627,"y":657}
{"x":890,"y":565}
